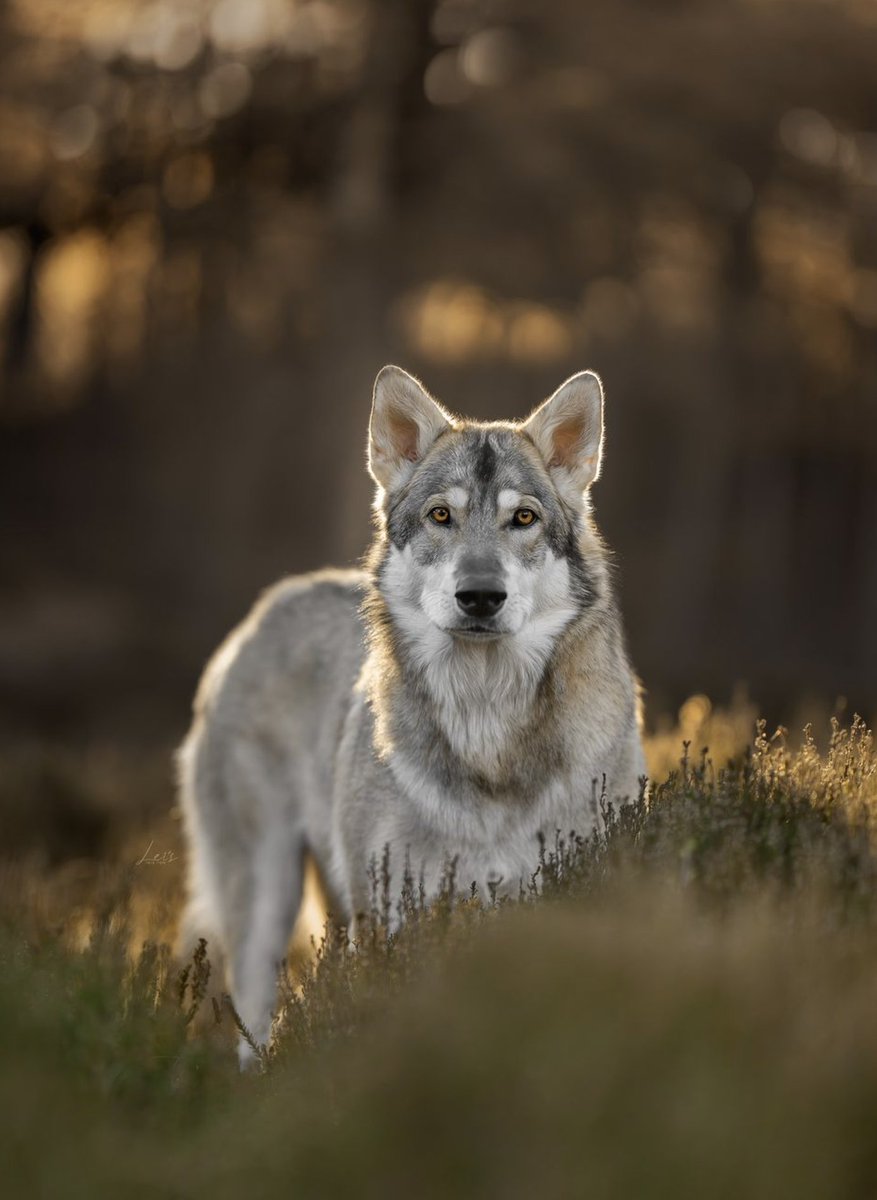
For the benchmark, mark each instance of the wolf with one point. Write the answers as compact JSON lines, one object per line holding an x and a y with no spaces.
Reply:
{"x":465,"y":693}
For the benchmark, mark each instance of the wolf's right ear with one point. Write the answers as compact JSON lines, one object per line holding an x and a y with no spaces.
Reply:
{"x":405,"y":421}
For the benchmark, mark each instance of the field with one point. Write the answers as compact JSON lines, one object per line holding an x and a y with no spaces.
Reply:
{"x":685,"y":1009}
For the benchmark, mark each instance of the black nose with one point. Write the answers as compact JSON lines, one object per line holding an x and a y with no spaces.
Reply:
{"x":480,"y":599}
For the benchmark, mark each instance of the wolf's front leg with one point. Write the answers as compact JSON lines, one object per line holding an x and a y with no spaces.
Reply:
{"x":261,"y":934}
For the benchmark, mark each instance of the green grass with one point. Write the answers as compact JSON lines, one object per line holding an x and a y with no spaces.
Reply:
{"x":688,"y":1008}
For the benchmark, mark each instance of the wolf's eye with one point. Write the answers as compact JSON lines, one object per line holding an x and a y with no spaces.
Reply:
{"x":440,"y":515}
{"x":524,"y":517}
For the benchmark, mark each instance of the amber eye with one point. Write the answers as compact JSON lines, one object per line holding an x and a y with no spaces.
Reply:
{"x":441,"y":516}
{"x":524,"y":517}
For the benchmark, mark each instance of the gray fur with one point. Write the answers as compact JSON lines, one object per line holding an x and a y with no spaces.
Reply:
{"x":353,"y":711}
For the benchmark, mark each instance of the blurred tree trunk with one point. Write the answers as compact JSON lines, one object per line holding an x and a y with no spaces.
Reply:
{"x":22,"y":319}
{"x":389,"y":98}
{"x":388,"y":111}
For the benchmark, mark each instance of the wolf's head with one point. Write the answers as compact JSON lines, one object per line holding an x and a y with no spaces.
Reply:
{"x":487,"y":534}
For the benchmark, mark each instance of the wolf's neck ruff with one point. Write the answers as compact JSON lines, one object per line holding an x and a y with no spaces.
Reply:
{"x":485,"y":718}
{"x":481,"y":696}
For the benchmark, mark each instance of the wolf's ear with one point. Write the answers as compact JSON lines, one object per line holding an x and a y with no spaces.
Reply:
{"x":405,"y":422}
{"x":568,"y":428}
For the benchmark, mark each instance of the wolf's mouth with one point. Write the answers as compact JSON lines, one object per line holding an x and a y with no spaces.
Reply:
{"x":476,"y":632}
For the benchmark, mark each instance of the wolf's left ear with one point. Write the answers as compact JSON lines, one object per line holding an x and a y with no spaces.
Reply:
{"x":568,"y":428}
{"x":405,"y":422}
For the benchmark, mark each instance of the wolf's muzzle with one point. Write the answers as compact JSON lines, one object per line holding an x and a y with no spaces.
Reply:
{"x":480,"y":598}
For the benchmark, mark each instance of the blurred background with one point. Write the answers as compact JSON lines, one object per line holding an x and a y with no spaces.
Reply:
{"x":218,"y":219}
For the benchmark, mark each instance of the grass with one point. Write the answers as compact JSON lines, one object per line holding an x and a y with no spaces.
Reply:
{"x":686,"y":1009}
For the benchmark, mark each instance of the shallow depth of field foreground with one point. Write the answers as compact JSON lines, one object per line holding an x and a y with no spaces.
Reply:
{"x":686,"y":1009}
